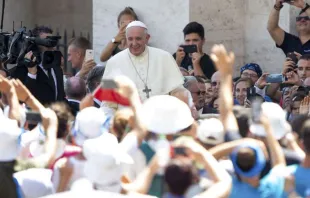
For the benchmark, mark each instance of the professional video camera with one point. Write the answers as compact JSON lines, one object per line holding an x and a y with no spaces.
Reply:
{"x":13,"y":48}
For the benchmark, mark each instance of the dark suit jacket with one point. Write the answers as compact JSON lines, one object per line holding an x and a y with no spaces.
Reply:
{"x":41,"y":87}
{"x":74,"y":106}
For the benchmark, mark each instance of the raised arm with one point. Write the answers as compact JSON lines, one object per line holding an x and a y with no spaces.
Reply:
{"x":25,"y":96}
{"x":127,"y":89}
{"x":221,"y":179}
{"x":108,"y":50}
{"x":273,"y":27}
{"x":276,"y":152}
{"x":224,"y":63}
{"x":7,"y":88}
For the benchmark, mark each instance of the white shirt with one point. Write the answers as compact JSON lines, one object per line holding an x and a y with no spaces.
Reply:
{"x":34,"y":76}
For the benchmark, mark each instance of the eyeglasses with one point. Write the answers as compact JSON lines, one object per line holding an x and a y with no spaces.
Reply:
{"x":247,"y":75}
{"x":200,"y":93}
{"x":214,"y":83}
{"x":299,"y":18}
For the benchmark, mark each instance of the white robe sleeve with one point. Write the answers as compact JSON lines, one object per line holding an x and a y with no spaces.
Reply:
{"x":173,"y":76}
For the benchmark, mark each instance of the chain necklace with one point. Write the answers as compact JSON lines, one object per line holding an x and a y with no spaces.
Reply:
{"x":146,"y":89}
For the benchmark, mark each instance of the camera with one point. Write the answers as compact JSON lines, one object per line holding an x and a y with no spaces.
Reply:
{"x":14,"y":46}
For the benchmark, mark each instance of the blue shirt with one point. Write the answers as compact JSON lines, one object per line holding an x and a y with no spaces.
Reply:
{"x":302,"y":179}
{"x":271,"y":186}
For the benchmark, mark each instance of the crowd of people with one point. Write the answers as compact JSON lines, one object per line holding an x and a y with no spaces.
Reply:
{"x":165,"y":125}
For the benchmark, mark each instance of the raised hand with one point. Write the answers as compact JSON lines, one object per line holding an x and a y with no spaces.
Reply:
{"x":5,"y":85}
{"x":22,"y":92}
{"x":261,"y":82}
{"x":298,"y":3}
{"x":304,"y":106}
{"x":224,"y":62}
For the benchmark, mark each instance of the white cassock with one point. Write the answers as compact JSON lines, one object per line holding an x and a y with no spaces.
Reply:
{"x":163,"y":75}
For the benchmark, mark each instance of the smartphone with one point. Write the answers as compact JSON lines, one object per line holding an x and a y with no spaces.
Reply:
{"x":293,"y":57}
{"x":179,"y":151}
{"x":275,"y":78}
{"x":256,"y":110}
{"x":251,"y":93}
{"x":189,"y":48}
{"x":33,"y":117}
{"x":89,"y":54}
{"x":108,"y":84}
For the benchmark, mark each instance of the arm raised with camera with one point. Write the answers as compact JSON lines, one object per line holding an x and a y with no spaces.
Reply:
{"x":275,"y":31}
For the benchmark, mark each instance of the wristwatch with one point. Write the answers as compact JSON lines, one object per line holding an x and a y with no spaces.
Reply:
{"x":113,"y":41}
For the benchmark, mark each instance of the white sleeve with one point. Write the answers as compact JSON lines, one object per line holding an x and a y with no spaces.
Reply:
{"x":32,"y":76}
{"x":261,"y":92}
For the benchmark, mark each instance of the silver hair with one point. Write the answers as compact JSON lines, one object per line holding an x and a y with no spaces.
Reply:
{"x":188,"y":80}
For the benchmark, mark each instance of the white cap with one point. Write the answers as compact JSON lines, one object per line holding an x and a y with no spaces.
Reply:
{"x":136,"y":24}
{"x":35,"y":182}
{"x":90,"y":123}
{"x":104,"y":158}
{"x":277,"y":118}
{"x":166,"y":115}
{"x":211,"y":131}
{"x":9,"y":143}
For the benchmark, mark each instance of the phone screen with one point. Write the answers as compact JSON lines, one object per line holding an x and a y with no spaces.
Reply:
{"x":256,"y":110}
{"x":189,"y":48}
{"x":275,"y":78}
{"x":89,"y":54}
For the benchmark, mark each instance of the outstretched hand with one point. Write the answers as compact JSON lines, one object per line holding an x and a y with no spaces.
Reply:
{"x":223,"y":61}
{"x":304,"y":106}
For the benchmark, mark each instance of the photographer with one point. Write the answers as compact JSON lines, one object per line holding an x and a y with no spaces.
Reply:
{"x":46,"y":84}
{"x":285,"y":41}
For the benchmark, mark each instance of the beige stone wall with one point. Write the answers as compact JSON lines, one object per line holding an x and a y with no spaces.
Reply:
{"x":223,"y":22}
{"x":259,"y":46}
{"x":65,"y":14}
{"x":18,"y":10}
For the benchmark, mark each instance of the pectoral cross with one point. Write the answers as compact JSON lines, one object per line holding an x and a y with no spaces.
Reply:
{"x":147,"y":91}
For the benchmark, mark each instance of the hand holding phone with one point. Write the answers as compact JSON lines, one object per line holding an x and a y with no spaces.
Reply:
{"x":275,"y":78}
{"x":293,"y":57}
{"x":89,"y":55}
{"x":189,"y":49}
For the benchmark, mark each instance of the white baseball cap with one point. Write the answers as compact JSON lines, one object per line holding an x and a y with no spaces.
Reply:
{"x":9,"y":139}
{"x":104,"y":158}
{"x":166,"y":115}
{"x":211,"y":131}
{"x":277,"y":118}
{"x":35,"y":182}
{"x":90,"y":123}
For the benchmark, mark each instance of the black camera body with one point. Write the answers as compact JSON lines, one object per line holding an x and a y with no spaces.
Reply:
{"x":14,"y":47}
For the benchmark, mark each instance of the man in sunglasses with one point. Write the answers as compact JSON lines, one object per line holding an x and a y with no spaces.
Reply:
{"x":288,"y":42}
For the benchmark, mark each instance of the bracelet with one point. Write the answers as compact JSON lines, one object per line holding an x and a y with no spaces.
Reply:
{"x":305,"y":9}
{"x":278,"y":8}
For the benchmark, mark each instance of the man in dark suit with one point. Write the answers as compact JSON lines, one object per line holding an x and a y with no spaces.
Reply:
{"x":75,"y":89}
{"x":45,"y":84}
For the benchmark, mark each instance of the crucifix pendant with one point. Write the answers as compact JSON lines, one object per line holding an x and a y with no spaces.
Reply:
{"x":147,"y":91}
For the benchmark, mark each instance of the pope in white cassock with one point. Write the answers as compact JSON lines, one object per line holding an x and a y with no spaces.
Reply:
{"x":154,"y":71}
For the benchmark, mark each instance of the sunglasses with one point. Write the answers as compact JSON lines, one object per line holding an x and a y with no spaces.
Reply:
{"x":215,"y":83}
{"x":299,"y":18}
